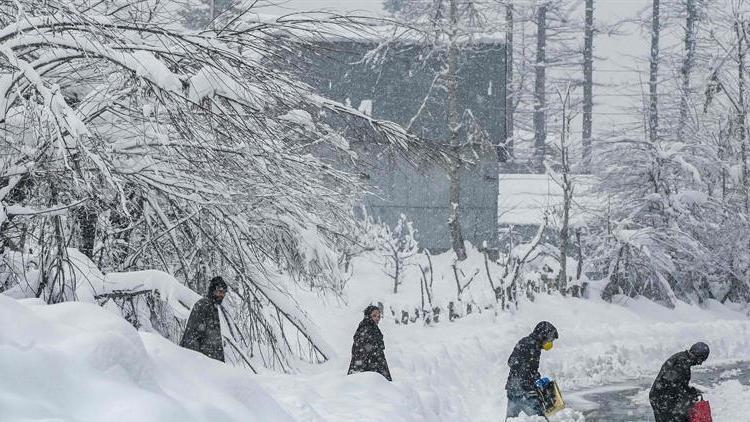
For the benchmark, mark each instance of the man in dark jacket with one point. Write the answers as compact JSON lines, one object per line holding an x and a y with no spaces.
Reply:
{"x":671,"y":395}
{"x":524,"y":371}
{"x":368,"y":350}
{"x":203,"y":330}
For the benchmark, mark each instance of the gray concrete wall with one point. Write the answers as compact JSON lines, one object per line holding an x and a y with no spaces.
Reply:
{"x":396,"y":87}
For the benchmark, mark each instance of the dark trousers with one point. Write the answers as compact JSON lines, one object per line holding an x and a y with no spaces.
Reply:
{"x":527,"y":403}
{"x":667,"y":411}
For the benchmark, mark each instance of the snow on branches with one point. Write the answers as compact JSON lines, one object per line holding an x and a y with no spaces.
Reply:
{"x":147,"y":146}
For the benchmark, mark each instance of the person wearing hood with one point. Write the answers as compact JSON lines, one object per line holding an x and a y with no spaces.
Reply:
{"x":671,"y":395}
{"x":524,"y":371}
{"x":203,"y":330}
{"x":368,"y":350}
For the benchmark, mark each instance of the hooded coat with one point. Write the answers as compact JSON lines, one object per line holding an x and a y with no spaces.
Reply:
{"x":524,"y":360}
{"x":671,"y":395}
{"x":368,"y":350}
{"x":203,"y":330}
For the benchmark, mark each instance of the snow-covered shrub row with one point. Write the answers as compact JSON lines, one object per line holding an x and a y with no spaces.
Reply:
{"x":432,"y":288}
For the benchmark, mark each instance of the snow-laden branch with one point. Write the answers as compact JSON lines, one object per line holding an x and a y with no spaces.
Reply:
{"x":178,"y":150}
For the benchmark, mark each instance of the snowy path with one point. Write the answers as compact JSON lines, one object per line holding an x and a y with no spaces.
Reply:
{"x":455,"y":371}
{"x":628,"y":402}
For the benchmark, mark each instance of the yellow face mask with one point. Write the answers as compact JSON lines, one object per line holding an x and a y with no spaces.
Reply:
{"x":547,"y":345}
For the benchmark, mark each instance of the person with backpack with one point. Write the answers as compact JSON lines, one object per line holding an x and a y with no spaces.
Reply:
{"x":524,"y":371}
{"x":671,"y":396}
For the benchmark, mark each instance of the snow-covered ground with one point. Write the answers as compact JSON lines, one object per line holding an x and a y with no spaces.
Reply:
{"x":456,"y":370}
{"x":79,"y":362}
{"x":730,"y":401}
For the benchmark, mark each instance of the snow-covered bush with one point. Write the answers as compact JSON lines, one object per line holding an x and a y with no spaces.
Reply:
{"x":666,"y":236}
{"x":439,"y":288}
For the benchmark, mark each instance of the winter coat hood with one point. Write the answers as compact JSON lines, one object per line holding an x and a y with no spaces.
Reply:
{"x":544,"y":332}
{"x":215,"y":283}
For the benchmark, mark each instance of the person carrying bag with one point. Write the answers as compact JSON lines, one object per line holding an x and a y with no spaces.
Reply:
{"x":701,"y":411}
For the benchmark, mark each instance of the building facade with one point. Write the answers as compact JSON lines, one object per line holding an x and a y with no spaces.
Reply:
{"x":401,"y":84}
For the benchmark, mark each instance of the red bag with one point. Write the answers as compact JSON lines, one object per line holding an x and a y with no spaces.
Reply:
{"x":701,"y":412}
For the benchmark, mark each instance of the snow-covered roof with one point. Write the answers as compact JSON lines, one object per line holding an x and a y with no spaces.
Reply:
{"x":523,"y":198}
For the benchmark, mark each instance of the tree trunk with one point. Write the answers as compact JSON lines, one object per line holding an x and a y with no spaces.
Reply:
{"x":740,"y":30}
{"x":588,"y":83}
{"x":579,"y":268}
{"x":506,"y":153}
{"x":15,"y":193}
{"x":687,"y":65}
{"x":567,"y":188}
{"x":87,"y":220}
{"x":397,"y":275}
{"x":564,"y":240}
{"x":540,"y":130}
{"x":454,"y":123}
{"x":653,"y":110}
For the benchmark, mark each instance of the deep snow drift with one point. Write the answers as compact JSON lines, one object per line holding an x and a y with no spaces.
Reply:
{"x":78,"y":362}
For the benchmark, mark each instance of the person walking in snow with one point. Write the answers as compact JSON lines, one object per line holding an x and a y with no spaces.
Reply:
{"x":671,"y":395}
{"x":368,"y":350}
{"x":203,"y":330}
{"x":524,"y":371}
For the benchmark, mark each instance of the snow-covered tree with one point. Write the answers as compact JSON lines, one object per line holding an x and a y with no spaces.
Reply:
{"x":588,"y":84}
{"x":443,"y":28}
{"x":561,"y":174}
{"x":148,"y":146}
{"x":397,"y":246}
{"x":676,"y":219}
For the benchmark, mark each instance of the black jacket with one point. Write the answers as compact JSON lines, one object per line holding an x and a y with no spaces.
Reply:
{"x":671,"y":388}
{"x":524,"y":366}
{"x":203,"y":330}
{"x":368,"y":350}
{"x":524,"y":361}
